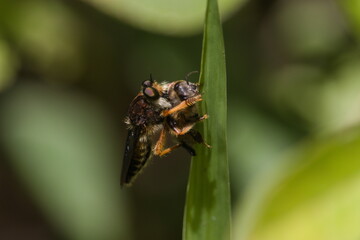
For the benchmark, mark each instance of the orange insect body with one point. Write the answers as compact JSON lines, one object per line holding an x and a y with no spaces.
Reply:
{"x":166,"y":107}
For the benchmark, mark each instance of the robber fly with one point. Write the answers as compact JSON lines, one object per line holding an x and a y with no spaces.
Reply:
{"x":158,"y":108}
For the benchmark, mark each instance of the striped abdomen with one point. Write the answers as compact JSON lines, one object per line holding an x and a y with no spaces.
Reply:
{"x":137,"y":154}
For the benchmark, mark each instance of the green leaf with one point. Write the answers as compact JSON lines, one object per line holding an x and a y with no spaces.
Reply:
{"x":207,"y":210}
{"x":316,"y":197}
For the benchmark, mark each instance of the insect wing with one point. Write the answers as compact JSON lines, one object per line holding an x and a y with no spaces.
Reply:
{"x":131,"y":141}
{"x":137,"y":154}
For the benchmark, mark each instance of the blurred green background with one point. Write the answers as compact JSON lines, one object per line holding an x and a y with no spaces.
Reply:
{"x":69,"y":69}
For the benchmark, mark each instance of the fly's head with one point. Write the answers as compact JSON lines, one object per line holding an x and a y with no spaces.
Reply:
{"x":155,"y":94}
{"x":150,"y":90}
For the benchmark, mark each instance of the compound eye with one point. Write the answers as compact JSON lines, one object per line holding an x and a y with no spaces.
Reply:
{"x":151,"y":93}
{"x":147,"y":83}
{"x":176,"y":87}
{"x":181,"y":89}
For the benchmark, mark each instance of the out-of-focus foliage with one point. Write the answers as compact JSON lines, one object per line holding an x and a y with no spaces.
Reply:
{"x":162,"y":16}
{"x":64,"y":150}
{"x":330,"y":100}
{"x":316,"y":197}
{"x":258,"y":131}
{"x":47,"y":33}
{"x":69,"y":69}
{"x":7,"y":65}
{"x":298,"y":24}
{"x":352,"y":8}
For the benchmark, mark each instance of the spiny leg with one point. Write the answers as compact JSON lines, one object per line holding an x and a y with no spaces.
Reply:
{"x":184,"y":104}
{"x":193,"y":133}
{"x":205,"y":116}
{"x":184,"y":130}
{"x":188,"y":148}
{"x":196,"y":135}
{"x":170,"y":149}
{"x":187,"y":128}
{"x":159,"y":146}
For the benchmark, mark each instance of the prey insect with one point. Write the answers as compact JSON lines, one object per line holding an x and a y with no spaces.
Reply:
{"x":181,"y":118}
{"x":165,"y":108}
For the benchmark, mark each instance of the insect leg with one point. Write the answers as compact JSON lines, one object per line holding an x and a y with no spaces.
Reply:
{"x":170,"y":149}
{"x":205,"y":116}
{"x":184,"y":130}
{"x":187,"y":128}
{"x":196,"y":135}
{"x":184,"y":104}
{"x":159,"y":146}
{"x":188,"y":148}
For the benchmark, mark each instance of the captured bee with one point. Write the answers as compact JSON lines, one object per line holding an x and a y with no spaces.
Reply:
{"x":166,"y":107}
{"x":182,"y":117}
